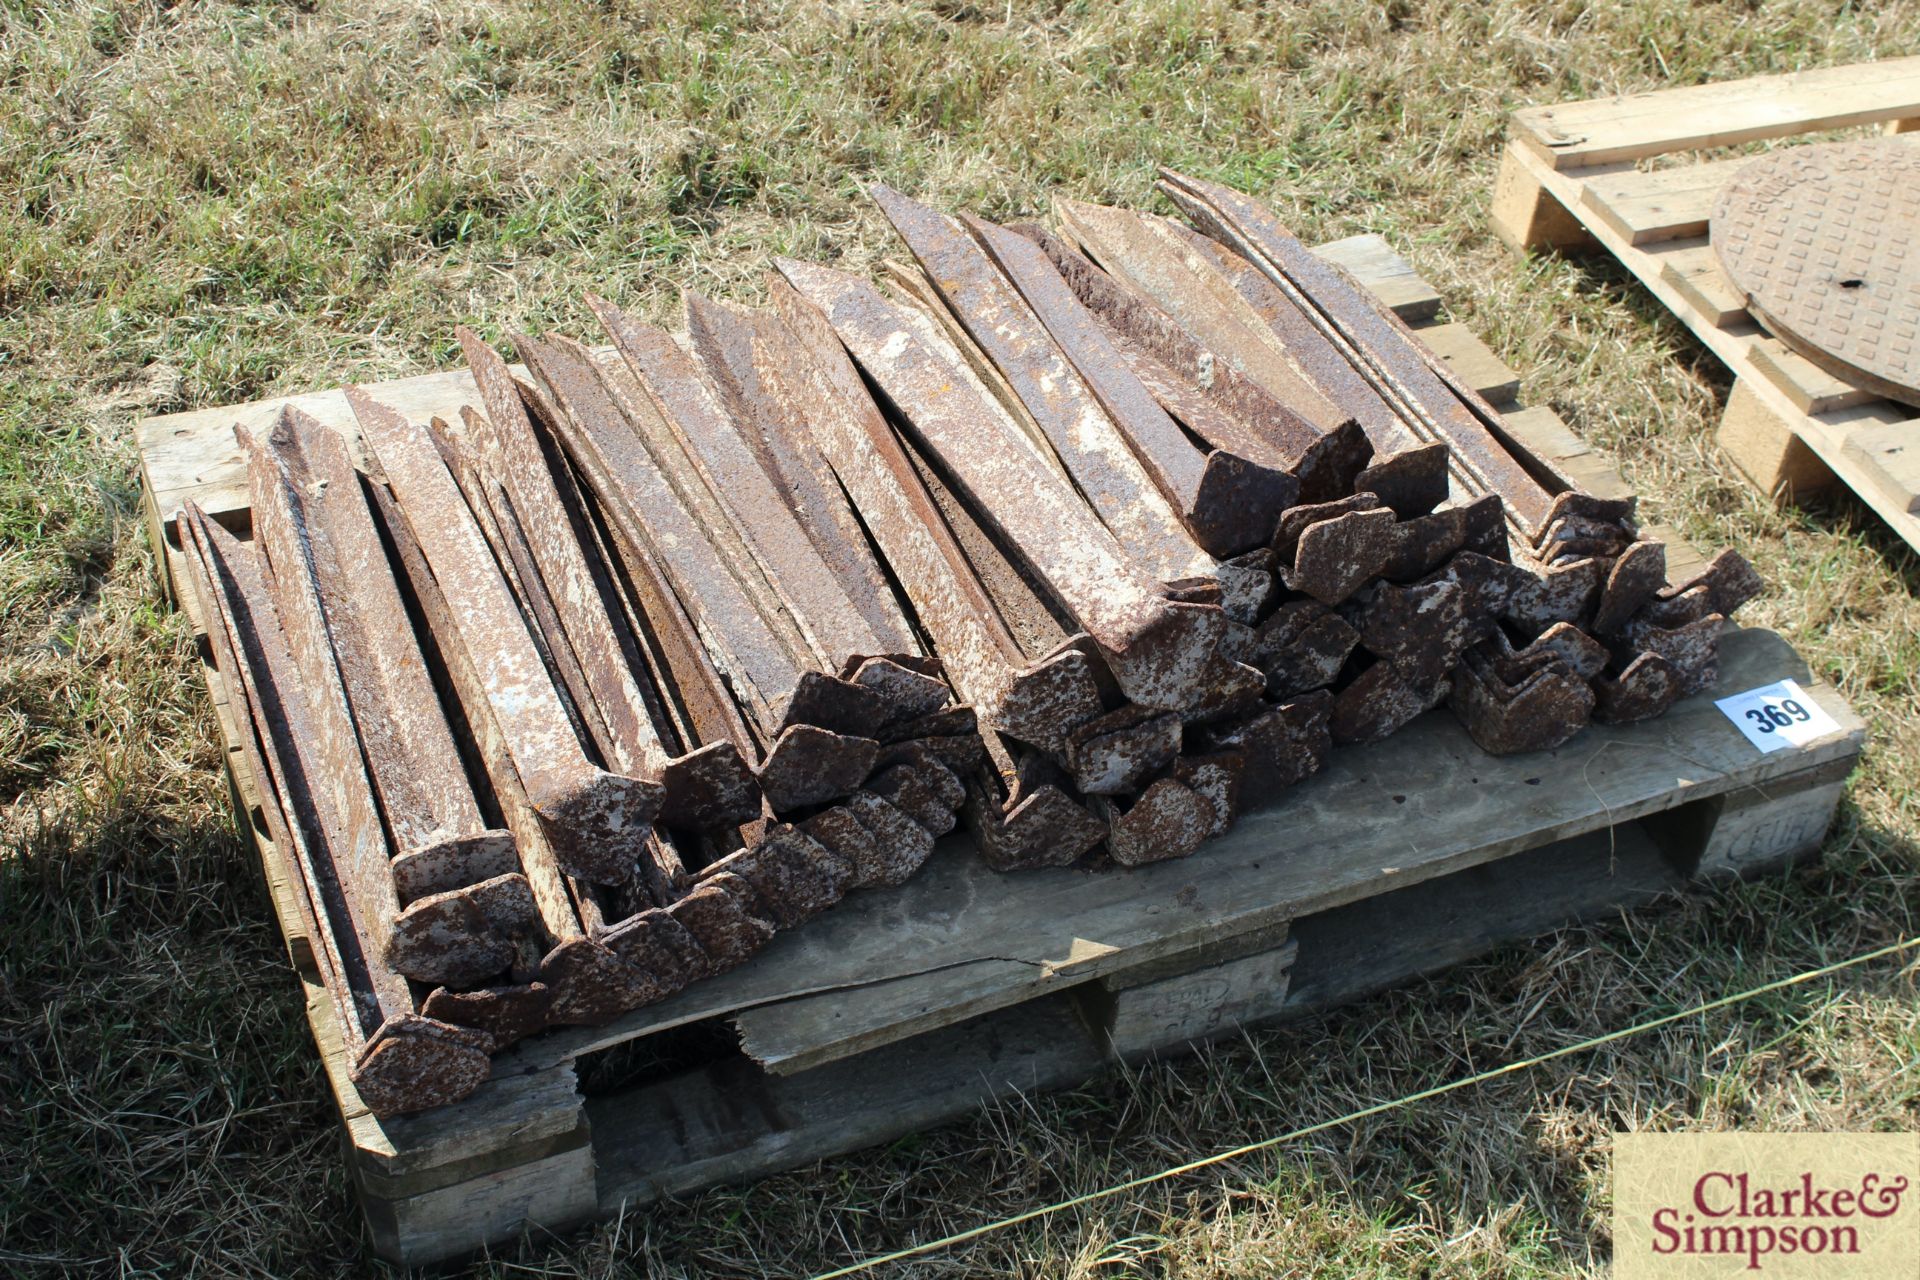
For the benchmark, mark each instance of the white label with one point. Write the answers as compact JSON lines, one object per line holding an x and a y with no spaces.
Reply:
{"x":1777,"y":715}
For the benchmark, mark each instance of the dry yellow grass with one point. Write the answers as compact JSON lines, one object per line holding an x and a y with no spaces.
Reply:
{"x":212,"y":202}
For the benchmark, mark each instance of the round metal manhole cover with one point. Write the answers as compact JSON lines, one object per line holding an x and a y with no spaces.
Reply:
{"x":1820,"y":240}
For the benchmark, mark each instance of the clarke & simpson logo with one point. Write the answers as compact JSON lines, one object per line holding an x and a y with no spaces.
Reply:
{"x":1784,"y":1205}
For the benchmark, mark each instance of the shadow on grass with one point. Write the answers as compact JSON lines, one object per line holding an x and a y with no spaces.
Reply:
{"x":164,"y":1109}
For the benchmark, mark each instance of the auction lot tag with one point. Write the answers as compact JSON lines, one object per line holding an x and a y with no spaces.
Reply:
{"x":1790,"y":1206}
{"x":1777,"y":715}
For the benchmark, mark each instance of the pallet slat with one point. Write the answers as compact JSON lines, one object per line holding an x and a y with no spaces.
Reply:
{"x":1633,"y":126}
{"x":1648,"y":206}
{"x":1889,"y":457}
{"x":1790,"y":426}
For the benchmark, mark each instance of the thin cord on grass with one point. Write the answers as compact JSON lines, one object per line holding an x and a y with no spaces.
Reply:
{"x":1266,"y":1144}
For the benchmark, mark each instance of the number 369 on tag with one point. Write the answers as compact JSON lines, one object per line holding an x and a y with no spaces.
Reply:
{"x":1777,"y":715}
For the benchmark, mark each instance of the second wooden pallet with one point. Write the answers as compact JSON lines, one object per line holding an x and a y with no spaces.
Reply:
{"x":1637,"y":175}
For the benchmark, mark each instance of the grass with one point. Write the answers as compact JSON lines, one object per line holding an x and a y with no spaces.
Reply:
{"x":209,"y":202}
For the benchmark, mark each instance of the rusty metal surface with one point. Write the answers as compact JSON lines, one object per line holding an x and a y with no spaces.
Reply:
{"x":594,"y":817}
{"x":1424,"y":543}
{"x":1280,"y":745}
{"x":1332,"y":558}
{"x":1302,"y":647}
{"x":750,"y":358}
{"x":1039,"y":826}
{"x":793,"y":876}
{"x":243,"y":632}
{"x":1370,"y":336}
{"x":342,"y":793}
{"x":1165,"y":355}
{"x":503,"y":1014}
{"x":587,"y":620}
{"x":543,"y":873}
{"x":925,"y":790}
{"x":1157,"y":266}
{"x":1060,"y":402}
{"x":1215,"y":778}
{"x":1227,"y":501}
{"x":1411,"y":481}
{"x":734,"y":549}
{"x":1510,"y":704}
{"x":1423,"y":628}
{"x":1693,"y":649}
{"x":1728,"y":582}
{"x":1381,"y":700}
{"x":1167,"y":820}
{"x":425,"y":795}
{"x":1119,"y":751}
{"x":979,"y":653}
{"x":401,"y":1062}
{"x":1233,"y":690}
{"x":808,"y":765}
{"x":1306,"y":346}
{"x":715,"y":445}
{"x":1637,"y":574}
{"x":316,"y":563}
{"x":1818,"y":240}
{"x":1155,"y":648}
{"x":717,"y":913}
{"x":759,"y":663}
{"x":418,"y":1063}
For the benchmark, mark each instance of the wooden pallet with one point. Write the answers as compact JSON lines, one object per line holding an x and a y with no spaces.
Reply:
{"x":904,"y":1008}
{"x":1637,"y":176}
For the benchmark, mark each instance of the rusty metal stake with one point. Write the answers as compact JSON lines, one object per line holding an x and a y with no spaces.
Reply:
{"x":594,"y":818}
{"x":1156,"y":649}
{"x":702,"y":790}
{"x":1227,"y":501}
{"x":1215,"y":401}
{"x":400,"y":1061}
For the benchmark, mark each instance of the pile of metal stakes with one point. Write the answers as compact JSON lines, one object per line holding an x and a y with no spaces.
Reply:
{"x":568,"y":704}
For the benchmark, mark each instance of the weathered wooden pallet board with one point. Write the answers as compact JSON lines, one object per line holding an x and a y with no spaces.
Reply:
{"x":905,"y":1008}
{"x":1626,"y":175}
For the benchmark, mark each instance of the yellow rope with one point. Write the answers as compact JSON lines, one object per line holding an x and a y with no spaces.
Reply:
{"x":1268,"y":1143}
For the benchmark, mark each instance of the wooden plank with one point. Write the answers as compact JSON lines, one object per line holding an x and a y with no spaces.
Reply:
{"x":1355,"y":950}
{"x":731,"y":1121}
{"x":1889,"y":458}
{"x":1474,"y":361}
{"x":1632,"y":126}
{"x":1754,"y":830}
{"x":1647,"y":206}
{"x":1808,"y":387}
{"x":1372,"y":261}
{"x":1189,"y":1008}
{"x":552,"y":1193}
{"x":1823,"y":434}
{"x":1757,"y":833}
{"x":1526,"y":216}
{"x":959,"y":940}
{"x":1691,"y":268}
{"x":1215,"y":951}
{"x":1544,"y":433}
{"x":1763,"y":444}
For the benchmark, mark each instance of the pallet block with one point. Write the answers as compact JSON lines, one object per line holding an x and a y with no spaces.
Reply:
{"x":1593,"y":175}
{"x":910,"y":1007}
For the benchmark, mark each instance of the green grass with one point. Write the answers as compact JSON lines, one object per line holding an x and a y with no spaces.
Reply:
{"x":208,"y":203}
